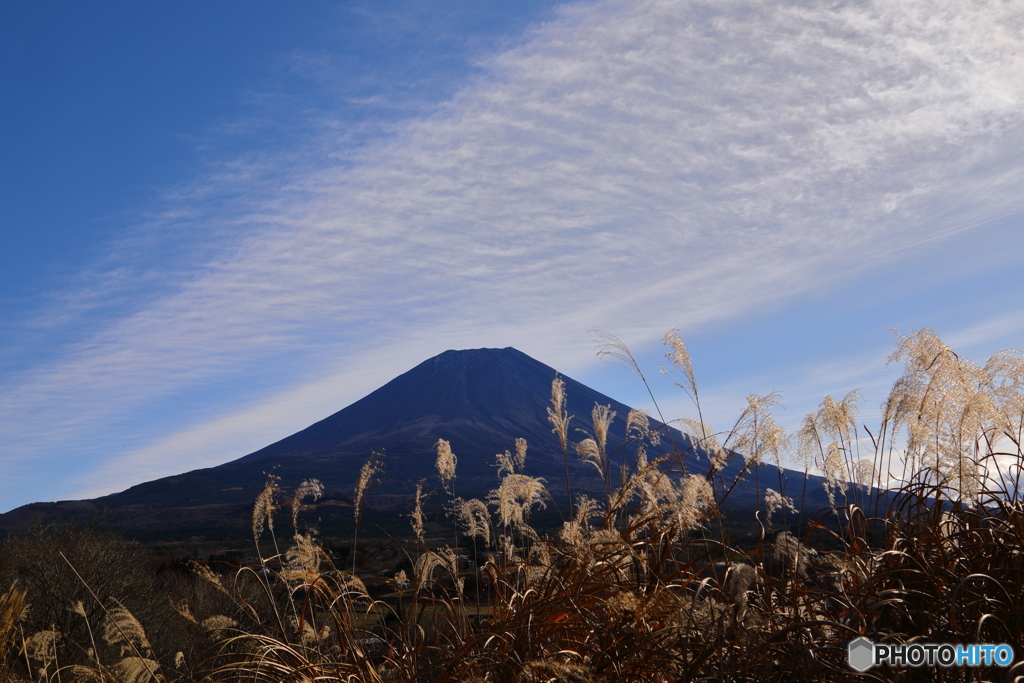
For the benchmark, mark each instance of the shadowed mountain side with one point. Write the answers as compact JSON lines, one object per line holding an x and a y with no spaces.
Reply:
{"x":480,"y":400}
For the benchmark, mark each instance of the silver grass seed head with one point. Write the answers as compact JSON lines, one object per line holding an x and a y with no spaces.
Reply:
{"x":606,"y":537}
{"x":707,"y":440}
{"x":775,"y":501}
{"x":516,"y":495}
{"x":504,"y":463}
{"x":263,"y":510}
{"x":508,"y":549}
{"x":613,"y":350}
{"x":953,"y":411}
{"x":622,"y":601}
{"x":309,"y":636}
{"x":451,"y":563}
{"x":638,"y":426}
{"x":838,"y":419}
{"x":217,"y":626}
{"x":572,"y":533}
{"x":557,"y":414}
{"x":206,"y":574}
{"x":696,"y":497}
{"x":833,"y":466}
{"x":521,"y":454}
{"x":577,"y":531}
{"x":137,"y":670}
{"x":373,"y":465}
{"x":475,"y":518}
{"x":586,"y":507}
{"x":427,"y":563}
{"x":633,"y":483}
{"x":756,"y":434}
{"x":864,"y":473}
{"x":121,"y":628}
{"x":446,"y":461}
{"x":808,"y":441}
{"x":796,"y":557}
{"x":602,"y":417}
{"x":352,"y":585}
{"x":305,"y":553}
{"x":540,"y":553}
{"x":309,"y":488}
{"x":679,"y":357}
{"x":182,"y":608}
{"x":86,"y":674}
{"x":417,"y":513}
{"x":656,"y":489}
{"x":589,"y":452}
{"x":42,"y":646}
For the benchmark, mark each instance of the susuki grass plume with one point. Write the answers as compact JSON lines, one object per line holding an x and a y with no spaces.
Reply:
{"x":595,"y":450}
{"x":756,"y":436}
{"x":446,"y":461}
{"x":680,"y":359}
{"x":775,"y":502}
{"x":41,"y":648}
{"x":947,"y":405}
{"x":475,"y":519}
{"x":706,"y":439}
{"x":521,"y":453}
{"x":445,"y":464}
{"x":612,"y":349}
{"x":638,"y":426}
{"x":505,"y":463}
{"x":424,"y":569}
{"x":373,"y":466}
{"x":682,"y":367}
{"x":309,"y":488}
{"x":516,"y":496}
{"x":417,"y":512}
{"x":559,"y":419}
{"x":577,"y":531}
{"x":591,"y":454}
{"x":263,"y":510}
{"x":122,"y":630}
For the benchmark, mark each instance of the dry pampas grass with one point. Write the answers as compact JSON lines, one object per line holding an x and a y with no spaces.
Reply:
{"x":642,"y":579}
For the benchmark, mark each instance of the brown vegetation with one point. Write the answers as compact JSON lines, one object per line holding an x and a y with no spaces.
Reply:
{"x":640,"y":584}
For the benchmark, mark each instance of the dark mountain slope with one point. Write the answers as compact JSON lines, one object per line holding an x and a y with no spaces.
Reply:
{"x":480,"y":400}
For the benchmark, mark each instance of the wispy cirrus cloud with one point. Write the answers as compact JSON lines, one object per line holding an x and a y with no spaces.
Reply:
{"x":628,"y":166}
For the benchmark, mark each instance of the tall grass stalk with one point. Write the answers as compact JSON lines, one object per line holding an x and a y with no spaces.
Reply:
{"x":559,"y":419}
{"x":373,"y":465}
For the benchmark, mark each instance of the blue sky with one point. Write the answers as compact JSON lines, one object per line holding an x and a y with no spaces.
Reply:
{"x":219,"y":224}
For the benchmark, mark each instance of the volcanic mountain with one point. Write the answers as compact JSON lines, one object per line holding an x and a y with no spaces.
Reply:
{"x":480,"y":400}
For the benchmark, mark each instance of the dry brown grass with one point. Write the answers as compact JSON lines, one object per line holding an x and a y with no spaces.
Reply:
{"x":637,"y":586}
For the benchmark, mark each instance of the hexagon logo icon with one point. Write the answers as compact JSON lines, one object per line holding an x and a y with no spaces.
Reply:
{"x":862,"y":654}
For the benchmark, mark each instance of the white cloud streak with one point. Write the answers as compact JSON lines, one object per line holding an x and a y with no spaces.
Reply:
{"x":630,"y":166}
